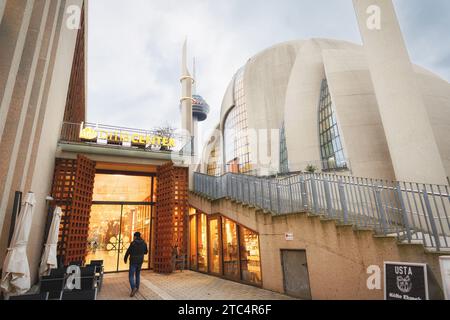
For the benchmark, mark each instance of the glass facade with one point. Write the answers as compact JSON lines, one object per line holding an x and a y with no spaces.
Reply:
{"x":214,"y":246}
{"x":122,"y":188}
{"x":331,"y":147}
{"x":236,"y":140}
{"x":232,"y":250}
{"x":213,"y":166}
{"x":193,"y":242}
{"x":122,"y":206}
{"x":202,"y":245}
{"x":250,"y":259}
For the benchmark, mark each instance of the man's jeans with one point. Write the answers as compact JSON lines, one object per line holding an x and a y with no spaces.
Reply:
{"x":135,"y":272}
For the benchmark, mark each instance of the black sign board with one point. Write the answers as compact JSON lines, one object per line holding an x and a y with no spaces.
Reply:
{"x":405,"y":281}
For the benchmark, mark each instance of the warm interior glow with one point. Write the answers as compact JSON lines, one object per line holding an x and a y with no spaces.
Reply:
{"x":112,"y":226}
{"x":122,"y":188}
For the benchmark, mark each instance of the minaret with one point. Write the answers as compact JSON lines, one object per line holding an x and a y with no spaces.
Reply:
{"x":414,"y":152}
{"x":194,"y":118}
{"x":186,"y":94}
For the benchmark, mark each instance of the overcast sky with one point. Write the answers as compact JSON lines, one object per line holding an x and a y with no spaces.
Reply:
{"x":135,"y":47}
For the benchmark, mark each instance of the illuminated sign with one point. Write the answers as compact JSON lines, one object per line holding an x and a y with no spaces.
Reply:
{"x":124,"y":138}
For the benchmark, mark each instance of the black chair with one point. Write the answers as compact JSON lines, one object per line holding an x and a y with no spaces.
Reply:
{"x":80,"y":295}
{"x":88,"y":285}
{"x":57,"y":273}
{"x":87,"y":279}
{"x":96,"y":263}
{"x":99,"y":272}
{"x":53,"y":286}
{"x":30,"y":297}
{"x":78,"y":263}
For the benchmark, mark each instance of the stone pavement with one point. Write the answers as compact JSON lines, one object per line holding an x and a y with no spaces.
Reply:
{"x":186,"y":285}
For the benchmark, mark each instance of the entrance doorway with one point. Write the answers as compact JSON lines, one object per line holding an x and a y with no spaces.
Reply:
{"x":122,"y":205}
{"x":295,"y":274}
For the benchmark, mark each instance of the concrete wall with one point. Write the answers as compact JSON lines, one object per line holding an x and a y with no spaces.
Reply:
{"x":436,"y":96}
{"x":23,"y":34}
{"x":35,"y":111}
{"x":266,"y":78}
{"x":301,"y":114}
{"x":357,"y":113}
{"x":338,"y":256}
{"x":412,"y":145}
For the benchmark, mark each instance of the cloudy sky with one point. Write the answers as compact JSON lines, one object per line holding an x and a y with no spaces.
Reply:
{"x":135,"y":47}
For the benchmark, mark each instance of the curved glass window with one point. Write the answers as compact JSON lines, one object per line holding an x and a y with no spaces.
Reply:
{"x":331,"y":148}
{"x":213,"y":166}
{"x":236,"y":142}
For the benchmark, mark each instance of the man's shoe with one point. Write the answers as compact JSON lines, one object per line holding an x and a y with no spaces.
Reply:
{"x":133,"y":293}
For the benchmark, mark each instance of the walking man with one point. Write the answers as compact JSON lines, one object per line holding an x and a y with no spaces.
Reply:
{"x":136,"y":252}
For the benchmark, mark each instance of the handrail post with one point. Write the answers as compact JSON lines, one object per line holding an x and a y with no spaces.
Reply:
{"x":328,"y":197}
{"x":270,"y":194}
{"x":291,"y":195}
{"x":380,"y":208}
{"x":304,"y":194}
{"x":248,"y":191}
{"x":431,"y":217}
{"x":278,"y":198}
{"x":262,"y":193}
{"x":404,"y":213}
{"x":343,"y":199}
{"x":314,"y":194}
{"x":241,"y":188}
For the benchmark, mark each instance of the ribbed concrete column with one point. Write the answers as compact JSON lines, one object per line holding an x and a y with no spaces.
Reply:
{"x":22,"y":152}
{"x":38,"y":125}
{"x":19,"y":107}
{"x":409,"y":134}
{"x":13,"y":31}
{"x":48,"y":137}
{"x":2,"y":9}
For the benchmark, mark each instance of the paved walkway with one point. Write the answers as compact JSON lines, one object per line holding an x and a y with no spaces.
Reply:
{"x":186,"y":285}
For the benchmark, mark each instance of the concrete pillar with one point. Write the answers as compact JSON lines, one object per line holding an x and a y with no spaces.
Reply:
{"x":2,"y":9}
{"x":20,"y":102}
{"x":54,"y":113}
{"x":13,"y":31}
{"x":31,"y":135}
{"x":35,"y":111}
{"x":408,"y":131}
{"x":186,"y":95}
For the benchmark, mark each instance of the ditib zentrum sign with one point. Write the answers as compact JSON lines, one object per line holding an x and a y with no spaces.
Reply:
{"x":405,"y":281}
{"x":125,"y":138}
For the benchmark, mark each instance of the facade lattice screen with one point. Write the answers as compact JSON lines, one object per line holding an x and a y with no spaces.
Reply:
{"x":331,"y":148}
{"x":171,"y":216}
{"x":72,"y":190}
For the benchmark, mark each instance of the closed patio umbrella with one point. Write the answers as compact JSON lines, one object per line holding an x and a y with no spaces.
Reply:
{"x":49,"y":260}
{"x":16,"y":271}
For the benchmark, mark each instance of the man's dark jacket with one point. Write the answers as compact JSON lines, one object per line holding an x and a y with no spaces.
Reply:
{"x":136,"y":252}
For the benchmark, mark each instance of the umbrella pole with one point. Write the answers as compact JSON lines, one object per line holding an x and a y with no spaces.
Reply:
{"x":15,"y":214}
{"x":50,"y":211}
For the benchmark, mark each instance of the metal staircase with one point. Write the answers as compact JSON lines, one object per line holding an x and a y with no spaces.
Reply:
{"x":415,"y":213}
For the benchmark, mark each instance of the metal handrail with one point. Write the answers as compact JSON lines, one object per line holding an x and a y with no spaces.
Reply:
{"x":412,"y":211}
